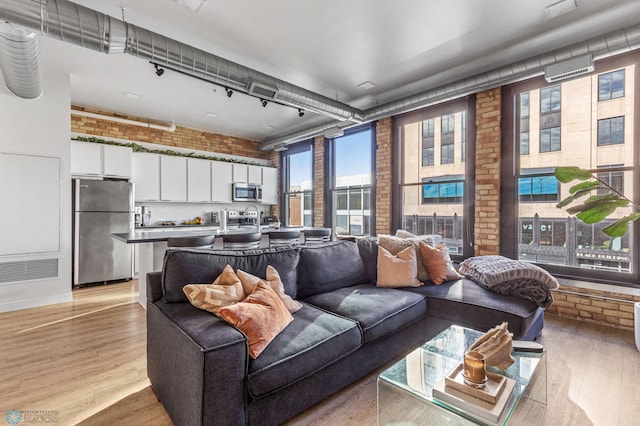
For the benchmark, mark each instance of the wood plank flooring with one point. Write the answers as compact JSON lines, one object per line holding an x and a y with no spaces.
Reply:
{"x":84,"y":362}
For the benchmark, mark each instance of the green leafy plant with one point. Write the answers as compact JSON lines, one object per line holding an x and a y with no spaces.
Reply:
{"x":597,"y":207}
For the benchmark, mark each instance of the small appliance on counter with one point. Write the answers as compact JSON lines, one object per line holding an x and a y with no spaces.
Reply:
{"x":138,"y":216}
{"x":146,"y":216}
{"x":271,"y":221}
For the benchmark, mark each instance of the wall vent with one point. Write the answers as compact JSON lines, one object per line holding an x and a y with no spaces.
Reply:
{"x":262,"y":90}
{"x":27,"y":270}
{"x":568,"y":69}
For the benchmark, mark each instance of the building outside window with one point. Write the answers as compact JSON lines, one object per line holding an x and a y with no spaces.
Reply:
{"x":537,"y":230}
{"x":435,"y":199}
{"x":352,"y":163}
{"x":550,"y":119}
{"x":297,"y":185}
{"x":611,"y":85}
{"x":428,"y":142}
{"x":447,"y":150}
{"x":524,"y":124}
{"x":611,"y":131}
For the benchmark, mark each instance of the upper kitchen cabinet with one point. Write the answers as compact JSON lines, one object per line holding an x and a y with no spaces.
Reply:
{"x":146,"y":176}
{"x":94,"y":159}
{"x":173,"y":178}
{"x":86,"y":159}
{"x":198,"y":180}
{"x":221,"y":180}
{"x":255,"y":175}
{"x":245,"y":173}
{"x":116,"y":161}
{"x":269,"y":185}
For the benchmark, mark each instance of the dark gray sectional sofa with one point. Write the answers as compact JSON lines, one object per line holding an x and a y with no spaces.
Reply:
{"x":199,"y":366}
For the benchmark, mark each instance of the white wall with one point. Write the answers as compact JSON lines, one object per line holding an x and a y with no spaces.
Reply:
{"x":40,"y":127}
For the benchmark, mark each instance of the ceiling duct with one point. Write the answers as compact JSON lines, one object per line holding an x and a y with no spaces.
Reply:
{"x":570,"y":68}
{"x":20,"y":61}
{"x":79,"y":25}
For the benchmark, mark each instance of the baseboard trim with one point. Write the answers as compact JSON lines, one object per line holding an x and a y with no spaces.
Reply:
{"x":36,"y":302}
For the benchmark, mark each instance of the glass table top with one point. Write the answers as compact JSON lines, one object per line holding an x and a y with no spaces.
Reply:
{"x":427,"y":366}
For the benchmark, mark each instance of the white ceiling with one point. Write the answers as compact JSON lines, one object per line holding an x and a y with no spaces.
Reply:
{"x":328,"y":47}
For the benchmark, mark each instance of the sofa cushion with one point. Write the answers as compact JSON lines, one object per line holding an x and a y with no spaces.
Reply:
{"x":465,"y":303}
{"x":379,"y":311}
{"x":313,"y":340}
{"x":398,"y":270}
{"x":260,"y":316}
{"x":186,"y":266}
{"x":368,"y":248}
{"x":329,"y":266}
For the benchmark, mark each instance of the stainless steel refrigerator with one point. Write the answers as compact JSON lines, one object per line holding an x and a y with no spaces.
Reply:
{"x":101,"y":208}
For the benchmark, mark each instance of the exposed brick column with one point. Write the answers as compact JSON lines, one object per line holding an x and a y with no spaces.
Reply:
{"x":487,"y":197}
{"x":383,"y":176}
{"x":318,"y":181}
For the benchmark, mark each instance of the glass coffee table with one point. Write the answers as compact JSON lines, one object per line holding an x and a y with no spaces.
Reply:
{"x":405,"y":388}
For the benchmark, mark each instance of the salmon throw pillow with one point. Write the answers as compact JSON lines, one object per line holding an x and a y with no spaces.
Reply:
{"x":438,"y":263}
{"x":274,"y":281}
{"x":400,"y":270}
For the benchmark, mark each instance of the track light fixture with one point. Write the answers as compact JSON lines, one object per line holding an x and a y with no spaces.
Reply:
{"x":300,"y":112}
{"x":159,"y":71}
{"x":229,"y":92}
{"x":264,"y":102}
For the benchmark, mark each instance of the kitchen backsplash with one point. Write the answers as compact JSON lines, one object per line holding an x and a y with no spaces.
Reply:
{"x":179,"y":212}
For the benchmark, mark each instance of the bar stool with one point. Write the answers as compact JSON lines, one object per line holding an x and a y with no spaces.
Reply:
{"x":241,"y":241}
{"x":202,"y":241}
{"x":316,"y":236}
{"x":289,"y":237}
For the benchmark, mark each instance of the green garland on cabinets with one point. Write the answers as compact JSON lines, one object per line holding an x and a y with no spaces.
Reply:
{"x":139,"y":148}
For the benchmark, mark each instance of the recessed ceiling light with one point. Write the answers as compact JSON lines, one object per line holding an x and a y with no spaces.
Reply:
{"x":210,"y":114}
{"x":366,"y":85}
{"x":559,"y":8}
{"x":193,"y":5}
{"x":132,"y":95}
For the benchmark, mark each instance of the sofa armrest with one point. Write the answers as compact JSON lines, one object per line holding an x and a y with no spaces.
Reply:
{"x":154,"y":286}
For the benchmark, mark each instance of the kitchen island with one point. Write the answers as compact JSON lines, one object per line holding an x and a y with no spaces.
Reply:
{"x":152,"y":244}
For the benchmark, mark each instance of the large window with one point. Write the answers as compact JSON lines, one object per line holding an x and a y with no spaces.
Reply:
{"x":593,"y":135}
{"x":428,"y":139}
{"x":297,"y":185}
{"x":352,"y":164}
{"x":437,"y":199}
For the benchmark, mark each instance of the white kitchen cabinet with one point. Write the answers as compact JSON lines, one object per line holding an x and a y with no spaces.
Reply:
{"x":198,"y":180}
{"x":116,"y":161}
{"x":173,"y":178}
{"x":221,"y":180}
{"x":240,"y":173}
{"x":269,"y":185}
{"x":86,"y":158}
{"x":255,"y":175}
{"x":146,"y":176}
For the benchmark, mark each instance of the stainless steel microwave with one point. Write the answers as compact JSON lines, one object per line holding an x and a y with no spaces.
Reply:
{"x":247,"y":192}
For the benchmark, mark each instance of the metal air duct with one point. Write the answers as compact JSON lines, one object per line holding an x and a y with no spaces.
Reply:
{"x":600,"y":47}
{"x":76,"y":24}
{"x":20,"y":61}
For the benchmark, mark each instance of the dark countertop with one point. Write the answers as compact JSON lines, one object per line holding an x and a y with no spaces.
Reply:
{"x":159,"y":234}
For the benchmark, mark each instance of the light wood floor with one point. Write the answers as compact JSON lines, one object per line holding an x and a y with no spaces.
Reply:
{"x":85,"y":361}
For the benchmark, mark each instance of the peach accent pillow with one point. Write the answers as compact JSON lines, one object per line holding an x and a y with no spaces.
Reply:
{"x":273,"y":280}
{"x":261,"y":317}
{"x":225,"y":290}
{"x":400,"y":270}
{"x":438,"y":263}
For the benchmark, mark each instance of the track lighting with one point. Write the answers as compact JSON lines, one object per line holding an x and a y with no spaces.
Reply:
{"x":159,"y":71}
{"x":229,"y":92}
{"x":300,"y":112}
{"x":264,"y":102}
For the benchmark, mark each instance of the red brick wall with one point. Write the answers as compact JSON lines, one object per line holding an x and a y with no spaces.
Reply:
{"x":383,"y":176}
{"x":318,"y":181}
{"x":183,"y":137}
{"x":487,"y":197}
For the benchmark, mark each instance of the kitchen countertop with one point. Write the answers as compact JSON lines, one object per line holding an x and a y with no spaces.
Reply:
{"x":162,"y":233}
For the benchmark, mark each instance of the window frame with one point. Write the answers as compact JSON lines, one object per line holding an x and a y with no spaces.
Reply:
{"x":285,"y":182}
{"x":609,"y":121}
{"x":511,"y":162}
{"x":611,"y":91}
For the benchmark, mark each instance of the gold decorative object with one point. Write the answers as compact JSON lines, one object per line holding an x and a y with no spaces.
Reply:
{"x":496,"y":346}
{"x":474,"y":369}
